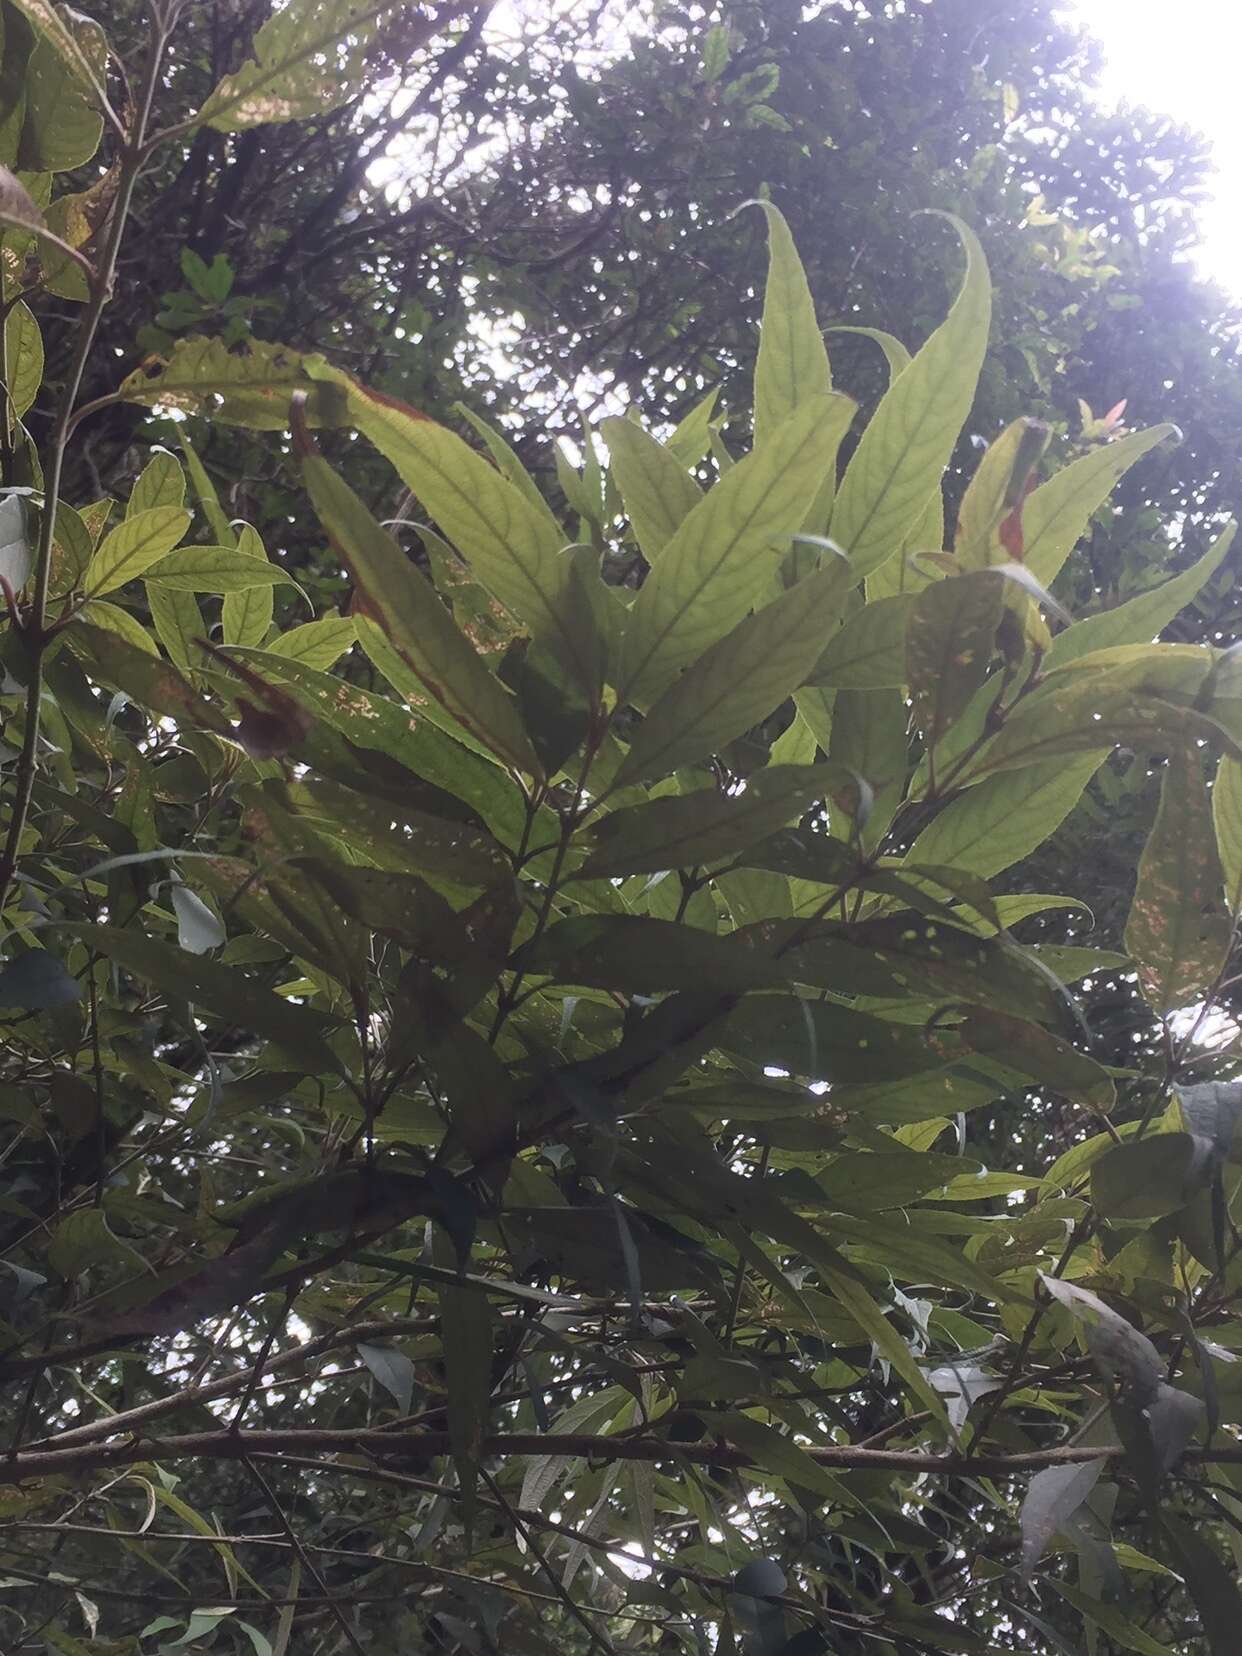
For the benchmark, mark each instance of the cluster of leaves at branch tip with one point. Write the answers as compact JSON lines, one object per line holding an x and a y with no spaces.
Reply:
{"x":570,"y":976}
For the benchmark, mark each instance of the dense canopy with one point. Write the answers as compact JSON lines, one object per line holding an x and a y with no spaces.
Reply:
{"x":630,"y":1050}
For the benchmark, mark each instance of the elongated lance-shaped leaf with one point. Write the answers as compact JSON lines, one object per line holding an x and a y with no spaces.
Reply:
{"x":1057,"y":513}
{"x":903,"y":452}
{"x":740,"y":679}
{"x":1142,"y":618}
{"x":246,"y":615}
{"x":657,"y":491}
{"x":511,"y":467}
{"x":1227,"y":820}
{"x":727,"y":549}
{"x":513,"y":549}
{"x":792,"y":364}
{"x":1178,"y":931}
{"x":406,"y":606}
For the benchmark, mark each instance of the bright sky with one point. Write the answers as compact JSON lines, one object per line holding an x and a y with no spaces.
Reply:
{"x":1182,"y":57}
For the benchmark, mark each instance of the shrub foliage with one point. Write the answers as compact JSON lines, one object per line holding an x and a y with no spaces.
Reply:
{"x":489,"y":1074}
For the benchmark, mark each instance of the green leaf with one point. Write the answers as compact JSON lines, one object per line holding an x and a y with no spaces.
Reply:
{"x":692,"y":438}
{"x":133,"y":546}
{"x":36,"y":980}
{"x":826,"y":1042}
{"x":726,"y":550}
{"x":318,"y":644}
{"x":1031,"y":1051}
{"x":466,"y":1332}
{"x":903,"y":452}
{"x":79,"y":44}
{"x":1109,"y":1619}
{"x":895,"y":353}
{"x":513,"y":549}
{"x":152,"y":683}
{"x":1212,"y":1586}
{"x":112,"y":618}
{"x":161,"y":483}
{"x":309,"y":57}
{"x":1150,"y":1177}
{"x":223,"y":990}
{"x":792,"y":363}
{"x":510,"y":466}
{"x":740,"y":679}
{"x":990,"y":827}
{"x":1057,"y":513}
{"x":406,"y":606}
{"x":252,"y":387}
{"x":869,"y":652}
{"x":85,"y":1238}
{"x":62,"y":127}
{"x":950,"y":641}
{"x":205,"y":490}
{"x":1090,"y":713}
{"x":1144,"y":617}
{"x":639,"y":955}
{"x":705,"y":826}
{"x":216,"y":569}
{"x":246,"y":616}
{"x":780,"y":1456}
{"x":1179,"y":930}
{"x":657,"y":491}
{"x":23,"y":354}
{"x":1227,"y":820}
{"x":178,"y":624}
{"x":995,"y":490}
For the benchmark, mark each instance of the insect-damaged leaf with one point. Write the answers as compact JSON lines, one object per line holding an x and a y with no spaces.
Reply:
{"x":950,"y":639}
{"x":1179,"y":929}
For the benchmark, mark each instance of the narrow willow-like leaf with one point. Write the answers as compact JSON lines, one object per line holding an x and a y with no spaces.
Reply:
{"x":740,"y":679}
{"x":657,"y":491}
{"x":692,"y":438}
{"x":903,"y":452}
{"x":1179,"y":929}
{"x":726,"y":550}
{"x":511,"y":467}
{"x":1057,"y":513}
{"x":405,"y":605}
{"x":1227,"y":820}
{"x":133,"y":546}
{"x":1142,"y":618}
{"x":792,"y":363}
{"x":205,"y":490}
{"x":640,"y":955}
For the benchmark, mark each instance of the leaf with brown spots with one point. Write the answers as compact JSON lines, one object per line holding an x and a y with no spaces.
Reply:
{"x":1178,"y":931}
